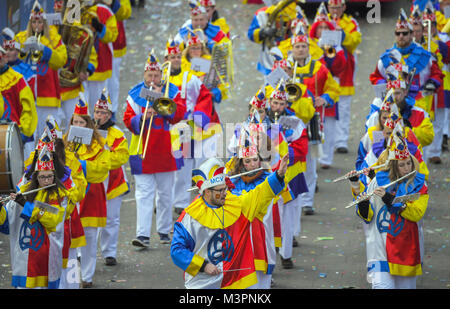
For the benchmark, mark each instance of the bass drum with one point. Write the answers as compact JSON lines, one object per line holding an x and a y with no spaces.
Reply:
{"x":11,"y":157}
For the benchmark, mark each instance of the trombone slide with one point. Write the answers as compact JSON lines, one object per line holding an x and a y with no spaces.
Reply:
{"x":148,"y":136}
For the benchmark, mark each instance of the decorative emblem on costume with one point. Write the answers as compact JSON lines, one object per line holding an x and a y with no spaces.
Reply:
{"x":220,"y":247}
{"x":388,"y":223}
{"x":31,"y":236}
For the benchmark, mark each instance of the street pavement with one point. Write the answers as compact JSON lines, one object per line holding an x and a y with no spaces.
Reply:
{"x":331,"y":252}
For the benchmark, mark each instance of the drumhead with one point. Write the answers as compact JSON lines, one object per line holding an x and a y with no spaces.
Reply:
{"x":15,"y":157}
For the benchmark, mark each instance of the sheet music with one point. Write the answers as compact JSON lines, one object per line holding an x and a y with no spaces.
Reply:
{"x":331,"y":38}
{"x":149,"y":94}
{"x":46,"y":207}
{"x":80,"y":134}
{"x":200,"y":65}
{"x":54,"y":19}
{"x":274,"y":77}
{"x":288,"y":122}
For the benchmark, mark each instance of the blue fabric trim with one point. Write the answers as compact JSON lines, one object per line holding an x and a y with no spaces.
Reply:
{"x":90,"y":68}
{"x":362,"y":153}
{"x":101,"y":34}
{"x":26,"y":139}
{"x":135,"y":124}
{"x":217,"y":95}
{"x":115,"y":6}
{"x":270,"y":269}
{"x":46,"y":55}
{"x":21,"y":281}
{"x":241,"y":185}
{"x":378,"y":266}
{"x":443,"y":49}
{"x":327,"y":98}
{"x":201,"y":119}
{"x":22,"y":68}
{"x":182,"y":247}
{"x":27,"y":211}
{"x":275,"y":185}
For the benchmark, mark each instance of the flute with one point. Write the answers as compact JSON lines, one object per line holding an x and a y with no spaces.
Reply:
{"x":367,"y":196}
{"x":234,"y":176}
{"x":8,"y":198}
{"x":348,"y":175}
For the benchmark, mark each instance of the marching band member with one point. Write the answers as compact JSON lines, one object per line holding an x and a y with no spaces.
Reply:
{"x":414,"y":116}
{"x":393,"y":229}
{"x":17,"y":100}
{"x":428,"y":76}
{"x":35,"y":226}
{"x":116,"y":184}
{"x":213,"y":16}
{"x":196,"y":48}
{"x":351,"y":38}
{"x":48,"y":53}
{"x":104,"y":25}
{"x":325,"y":93}
{"x":201,"y":127}
{"x":69,"y":91}
{"x":122,"y":11}
{"x":219,"y":221}
{"x":96,"y":162}
{"x":153,"y":168}
{"x":259,"y":32}
{"x":297,"y":148}
{"x":199,"y":20}
{"x":262,"y":227}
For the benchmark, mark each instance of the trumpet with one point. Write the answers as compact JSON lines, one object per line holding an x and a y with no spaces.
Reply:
{"x":293,"y":90}
{"x":348,"y":175}
{"x":367,"y":196}
{"x":329,"y":51}
{"x":36,"y":54}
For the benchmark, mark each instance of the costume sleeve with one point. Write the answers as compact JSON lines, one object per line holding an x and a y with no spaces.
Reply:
{"x":377,"y":77}
{"x":28,"y":117}
{"x":110,"y":30}
{"x":98,"y":168}
{"x":122,"y":9}
{"x":424,"y":132}
{"x":304,"y":107}
{"x":298,"y":149}
{"x":351,"y":34}
{"x":131,"y":119}
{"x":204,"y":108}
{"x":363,"y":149}
{"x":257,"y":200}
{"x":255,"y":27}
{"x":180,"y":111}
{"x":49,"y":220}
{"x":55,"y":54}
{"x":415,"y":210}
{"x":330,"y":90}
{"x":181,"y":250}
{"x":119,"y":150}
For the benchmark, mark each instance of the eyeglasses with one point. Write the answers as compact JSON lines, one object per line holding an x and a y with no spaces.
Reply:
{"x":224,"y":190}
{"x":45,"y":178}
{"x":398,"y":33}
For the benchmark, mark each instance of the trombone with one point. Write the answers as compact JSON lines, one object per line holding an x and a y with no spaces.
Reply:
{"x":164,"y":106}
{"x":292,"y":88}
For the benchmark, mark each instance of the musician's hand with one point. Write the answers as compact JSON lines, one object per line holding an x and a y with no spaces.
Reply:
{"x":97,"y":25}
{"x":19,"y":199}
{"x":379,"y":191}
{"x":84,"y":76}
{"x":352,"y":177}
{"x":212,"y":270}
{"x":267,"y":33}
{"x":319,"y":101}
{"x":150,"y":112}
{"x":283,"y":166}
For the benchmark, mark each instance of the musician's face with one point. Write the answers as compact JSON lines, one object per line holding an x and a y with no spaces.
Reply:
{"x":387,"y":132}
{"x":251,"y":164}
{"x":216,"y":195}
{"x":383,"y":117}
{"x":210,"y":11}
{"x":322,"y":26}
{"x":152,"y":77}
{"x":37,"y":24}
{"x":300,"y":51}
{"x":277,"y":106}
{"x":102,"y":116}
{"x":418,"y":32}
{"x":12,"y":54}
{"x":175,"y":60}
{"x":403,"y":37}
{"x":337,"y":10}
{"x":399,"y":96}
{"x":79,"y":121}
{"x":195,"y":51}
{"x":199,"y":21}
{"x":45,"y":178}
{"x":405,"y":166}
